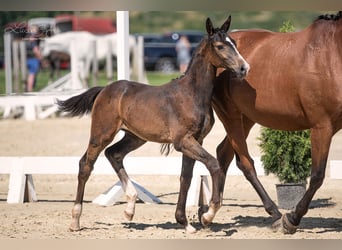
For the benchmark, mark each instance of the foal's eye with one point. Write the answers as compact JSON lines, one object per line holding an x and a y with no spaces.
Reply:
{"x":220,"y":47}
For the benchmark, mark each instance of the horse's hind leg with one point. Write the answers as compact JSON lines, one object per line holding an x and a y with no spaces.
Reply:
{"x":115,"y":154}
{"x":102,"y":133}
{"x":86,"y":165}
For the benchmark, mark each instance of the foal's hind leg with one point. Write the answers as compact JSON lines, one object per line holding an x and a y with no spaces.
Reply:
{"x":102,"y":133}
{"x":86,"y":165}
{"x":115,"y":154}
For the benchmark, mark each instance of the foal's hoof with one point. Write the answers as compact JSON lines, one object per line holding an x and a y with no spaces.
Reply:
{"x":205,"y":220}
{"x":128,"y":216}
{"x":202,"y":210}
{"x":284,"y":225}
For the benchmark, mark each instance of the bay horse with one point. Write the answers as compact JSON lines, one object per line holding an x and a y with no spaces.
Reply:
{"x":295,"y":83}
{"x":177,"y":113}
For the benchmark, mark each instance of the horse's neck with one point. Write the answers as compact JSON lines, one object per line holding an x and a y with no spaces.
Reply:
{"x":200,"y":75}
{"x":326,"y":32}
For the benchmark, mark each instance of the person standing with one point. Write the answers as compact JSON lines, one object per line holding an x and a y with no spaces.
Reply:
{"x":33,"y":57}
{"x":183,"y":48}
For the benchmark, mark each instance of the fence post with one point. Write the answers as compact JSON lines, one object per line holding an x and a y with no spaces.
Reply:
{"x":17,"y":181}
{"x":95,"y":65}
{"x":122,"y":24}
{"x":16,"y":66}
{"x":140,"y":60}
{"x":8,"y":62}
{"x":109,"y":61}
{"x":23,"y":67}
{"x":75,"y":67}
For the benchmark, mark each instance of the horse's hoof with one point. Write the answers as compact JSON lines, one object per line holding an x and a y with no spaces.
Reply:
{"x":287,"y":226}
{"x":190,"y":229}
{"x":128,"y":216}
{"x":276,"y":225}
{"x":74,"y":228}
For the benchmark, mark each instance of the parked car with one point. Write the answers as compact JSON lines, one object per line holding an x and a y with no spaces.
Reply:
{"x":160,"y":49}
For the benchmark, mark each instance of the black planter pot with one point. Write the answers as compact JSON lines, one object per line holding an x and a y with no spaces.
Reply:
{"x":289,"y":194}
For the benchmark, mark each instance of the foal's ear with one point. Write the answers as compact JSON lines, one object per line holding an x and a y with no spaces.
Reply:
{"x":225,"y":26}
{"x":209,"y":26}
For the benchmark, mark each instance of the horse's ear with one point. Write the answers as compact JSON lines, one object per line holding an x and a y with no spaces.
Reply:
{"x":209,"y":26}
{"x":225,"y":26}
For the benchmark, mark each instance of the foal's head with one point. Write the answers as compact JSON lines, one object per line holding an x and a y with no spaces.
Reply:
{"x":224,"y":53}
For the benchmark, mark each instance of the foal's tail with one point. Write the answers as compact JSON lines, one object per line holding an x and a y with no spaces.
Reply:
{"x":80,"y":104}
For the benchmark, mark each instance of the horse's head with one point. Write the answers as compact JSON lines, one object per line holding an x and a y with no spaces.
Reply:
{"x":224,"y":53}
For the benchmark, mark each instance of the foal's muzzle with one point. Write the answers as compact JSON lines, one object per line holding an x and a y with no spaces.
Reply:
{"x":243,"y":71}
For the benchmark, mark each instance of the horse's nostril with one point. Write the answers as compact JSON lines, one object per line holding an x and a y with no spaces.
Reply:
{"x":243,"y":70}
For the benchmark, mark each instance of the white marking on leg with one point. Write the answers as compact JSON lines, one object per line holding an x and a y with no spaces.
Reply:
{"x":190,"y":229}
{"x":131,"y":195}
{"x":208,"y":217}
{"x":76,"y":214}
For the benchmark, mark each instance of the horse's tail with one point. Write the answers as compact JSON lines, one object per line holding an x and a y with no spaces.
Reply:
{"x":80,"y":104}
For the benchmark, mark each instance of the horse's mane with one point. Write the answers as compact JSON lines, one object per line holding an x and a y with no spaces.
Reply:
{"x":333,"y":17}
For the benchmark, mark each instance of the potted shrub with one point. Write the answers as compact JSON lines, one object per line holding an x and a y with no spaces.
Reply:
{"x":287,"y":155}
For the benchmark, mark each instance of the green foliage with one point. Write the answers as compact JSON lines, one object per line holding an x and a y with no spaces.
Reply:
{"x":286,"y":154}
{"x":287,"y":27}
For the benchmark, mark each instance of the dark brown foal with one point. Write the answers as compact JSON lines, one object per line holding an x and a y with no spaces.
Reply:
{"x":177,"y":113}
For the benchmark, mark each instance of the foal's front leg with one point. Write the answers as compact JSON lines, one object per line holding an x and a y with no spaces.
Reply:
{"x":185,"y":181}
{"x":191,"y":148}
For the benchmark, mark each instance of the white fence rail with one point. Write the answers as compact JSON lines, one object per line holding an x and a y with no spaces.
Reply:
{"x":36,"y":105}
{"x":21,"y":170}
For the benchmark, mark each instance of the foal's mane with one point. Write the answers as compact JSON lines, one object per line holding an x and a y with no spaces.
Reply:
{"x":197,"y":50}
{"x":333,"y":17}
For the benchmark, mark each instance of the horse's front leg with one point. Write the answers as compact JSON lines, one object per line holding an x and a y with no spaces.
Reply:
{"x":185,"y":181}
{"x":245,"y":163}
{"x":191,"y":148}
{"x":320,"y":144}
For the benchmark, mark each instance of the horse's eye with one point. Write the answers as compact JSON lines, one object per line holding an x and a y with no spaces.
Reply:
{"x":220,"y":47}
